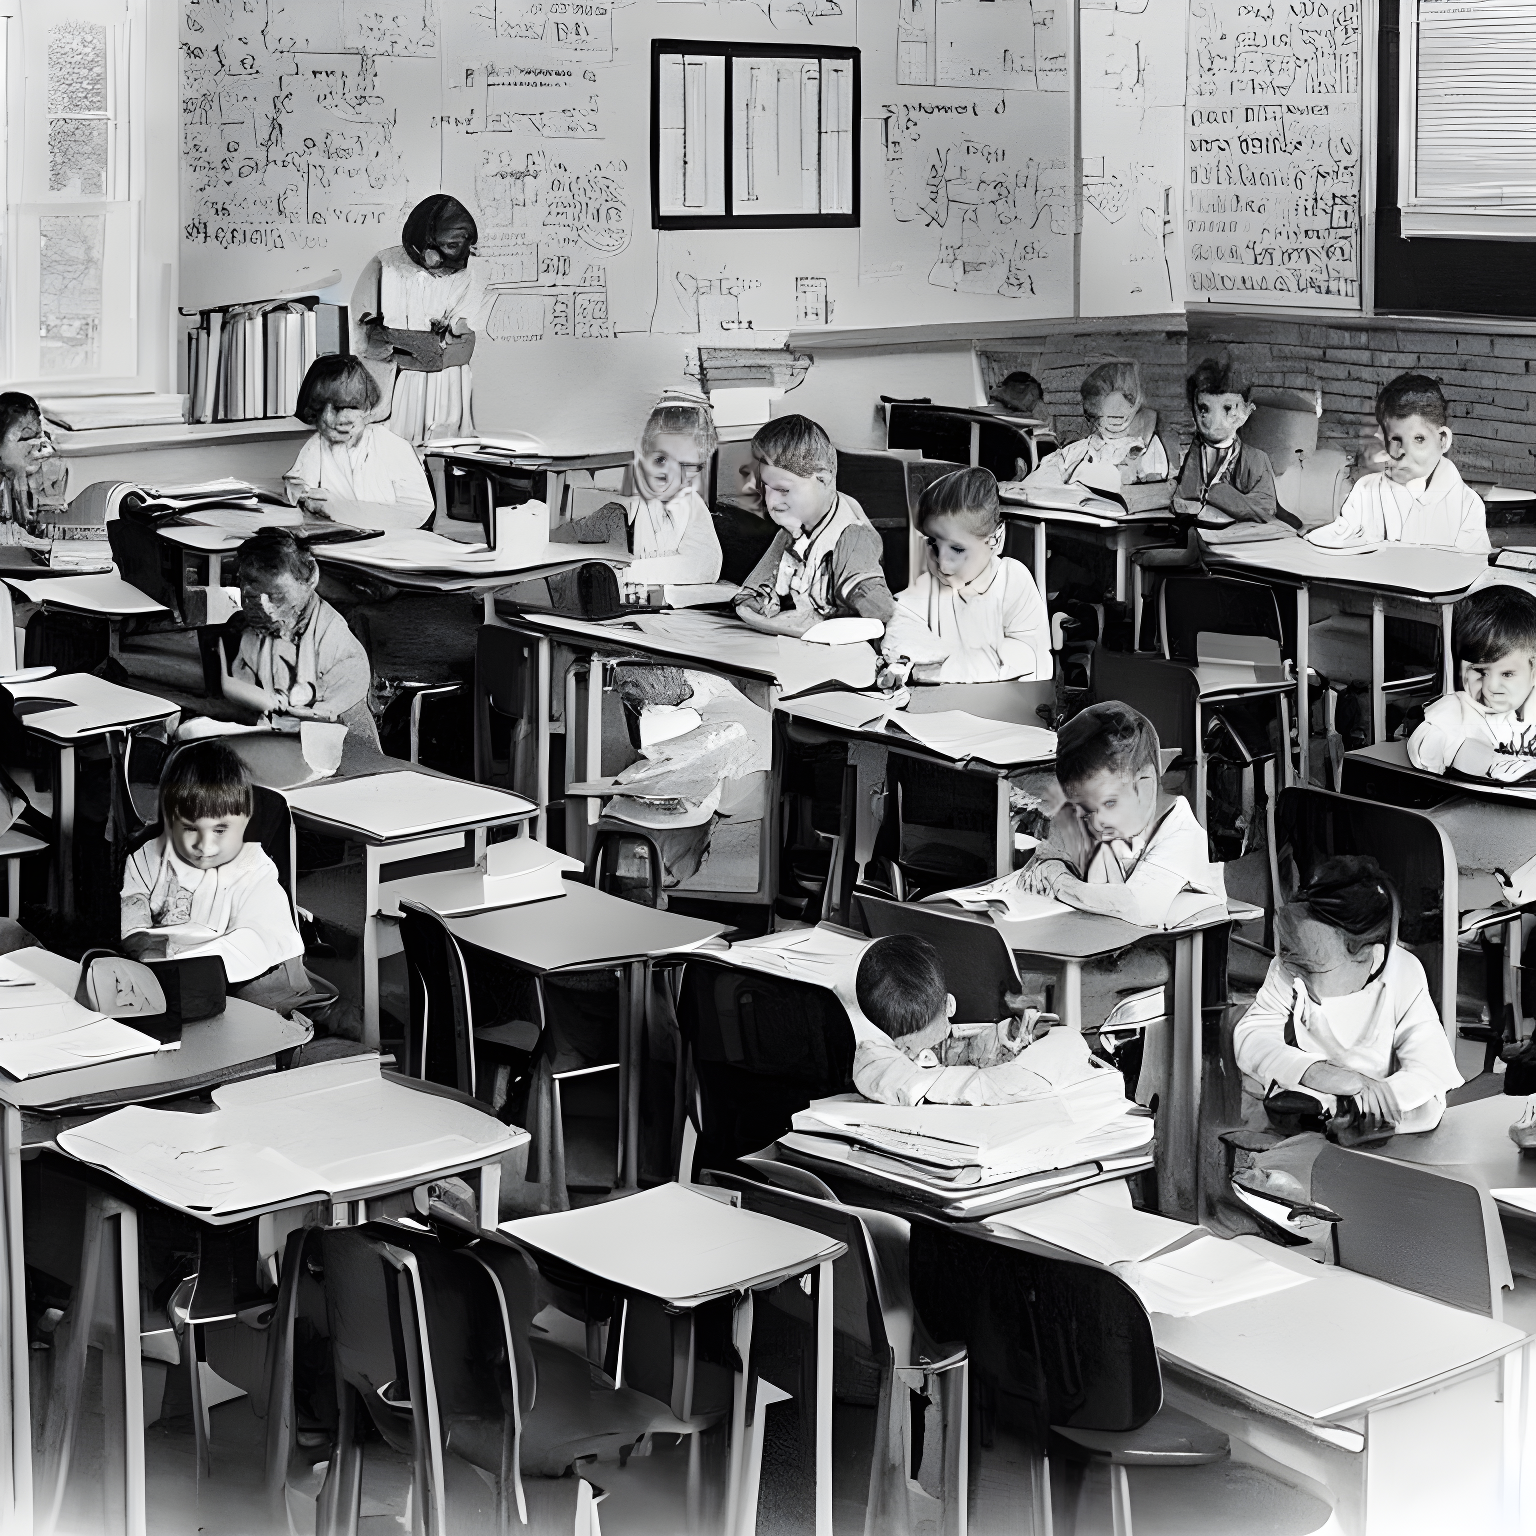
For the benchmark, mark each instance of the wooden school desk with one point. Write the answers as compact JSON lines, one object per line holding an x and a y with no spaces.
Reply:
{"x":243,"y":1041}
{"x":589,"y":930}
{"x":1408,"y":1411}
{"x":412,"y":1134}
{"x":765,"y":667}
{"x":81,"y":707}
{"x":1414,"y":574}
{"x":682,"y":1247}
{"x":430,"y":815}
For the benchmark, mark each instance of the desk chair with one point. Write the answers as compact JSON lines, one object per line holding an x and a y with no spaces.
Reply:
{"x":889,"y":489}
{"x":964,"y":437}
{"x":880,"y":1334}
{"x":1310,"y":482}
{"x":506,"y":711}
{"x":1412,"y":1226}
{"x":1414,"y":853}
{"x":1062,"y":1352}
{"x":759,"y":1049}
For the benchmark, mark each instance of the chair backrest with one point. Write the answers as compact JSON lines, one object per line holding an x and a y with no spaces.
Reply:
{"x":978,"y":965}
{"x":440,"y":1041}
{"x":1283,"y":425}
{"x":1192,"y":605}
{"x":506,"y":670}
{"x":935,"y":432}
{"x":1063,"y":1342}
{"x":888,"y":488}
{"x":1412,"y":1226}
{"x":762,"y":1047}
{"x":1414,"y":853}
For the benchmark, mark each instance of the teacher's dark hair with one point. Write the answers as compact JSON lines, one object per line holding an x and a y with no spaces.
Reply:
{"x":429,"y":221}
{"x":275,"y":552}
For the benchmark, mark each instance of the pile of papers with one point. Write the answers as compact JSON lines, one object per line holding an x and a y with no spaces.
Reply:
{"x":1205,"y":1274}
{"x":83,"y":413}
{"x":953,"y":733}
{"x":44,"y":1030}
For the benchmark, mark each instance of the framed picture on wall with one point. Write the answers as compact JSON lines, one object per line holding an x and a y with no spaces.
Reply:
{"x":750,"y":135}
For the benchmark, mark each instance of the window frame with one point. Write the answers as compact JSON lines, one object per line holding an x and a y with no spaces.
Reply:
{"x":731,"y":52}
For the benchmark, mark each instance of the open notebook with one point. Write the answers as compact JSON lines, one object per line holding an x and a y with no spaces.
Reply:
{"x":44,"y":1030}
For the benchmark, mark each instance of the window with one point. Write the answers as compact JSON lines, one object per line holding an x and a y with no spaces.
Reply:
{"x":87,"y":243}
{"x":746,"y":136}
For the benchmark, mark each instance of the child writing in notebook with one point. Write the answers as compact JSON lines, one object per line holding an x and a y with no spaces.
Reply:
{"x":919,"y":1057}
{"x":666,"y":524}
{"x":1118,"y":844}
{"x":199,"y":888}
{"x":1122,"y":446}
{"x":1419,"y":498}
{"x":1487,"y":728}
{"x":1345,"y":1012}
{"x":1224,"y":480}
{"x":971,"y":615}
{"x":825,"y":559}
{"x":352,"y":469}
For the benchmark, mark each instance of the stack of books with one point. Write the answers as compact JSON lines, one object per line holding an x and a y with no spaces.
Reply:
{"x":246,"y":361}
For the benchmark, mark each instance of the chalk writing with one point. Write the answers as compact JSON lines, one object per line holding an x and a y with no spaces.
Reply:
{"x":811,"y":306}
{"x":553,"y":100}
{"x":997,"y":213}
{"x":1009,"y":45}
{"x":571,"y":29}
{"x":1272,"y":199}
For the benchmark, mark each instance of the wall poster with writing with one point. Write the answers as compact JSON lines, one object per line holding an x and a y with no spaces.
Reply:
{"x":1273,"y":153}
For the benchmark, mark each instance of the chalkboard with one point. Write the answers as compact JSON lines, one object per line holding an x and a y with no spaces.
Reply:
{"x":1273,"y":153}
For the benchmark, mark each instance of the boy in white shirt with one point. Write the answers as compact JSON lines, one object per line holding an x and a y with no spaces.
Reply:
{"x":971,"y":615}
{"x":1123,"y":445}
{"x":198,"y":888}
{"x":1420,"y":498}
{"x":1487,"y":728}
{"x":1345,"y":1012}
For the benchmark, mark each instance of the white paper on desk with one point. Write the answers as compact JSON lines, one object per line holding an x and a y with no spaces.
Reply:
{"x":849,"y":630}
{"x":85,"y":1045}
{"x":958,"y":734}
{"x":1204,"y":1275}
{"x":1107,"y":1234}
{"x":852,"y":711}
{"x":404,"y":804}
{"x":101,"y":592}
{"x":1004,"y":898}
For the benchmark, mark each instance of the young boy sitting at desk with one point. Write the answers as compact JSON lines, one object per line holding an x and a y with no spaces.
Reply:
{"x":825,"y":559}
{"x":921,"y":1058}
{"x":1223,"y":480}
{"x":1345,"y":1011}
{"x":297,"y":658}
{"x":1487,"y":728}
{"x":198,"y":888}
{"x":1123,"y":446}
{"x":1420,"y":497}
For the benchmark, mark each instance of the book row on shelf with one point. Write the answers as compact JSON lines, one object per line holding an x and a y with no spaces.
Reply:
{"x":247,"y":361}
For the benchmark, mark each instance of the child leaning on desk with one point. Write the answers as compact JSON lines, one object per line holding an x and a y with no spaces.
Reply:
{"x":198,"y":888}
{"x":351,"y":469}
{"x":1123,"y":446}
{"x":972,"y":614}
{"x":665,"y":524}
{"x":920,"y":1056}
{"x":1344,"y":1014}
{"x":1420,"y":497}
{"x":824,"y":561}
{"x":1487,"y":728}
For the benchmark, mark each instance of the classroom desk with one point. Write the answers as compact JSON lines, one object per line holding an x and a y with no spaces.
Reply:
{"x":243,"y":1041}
{"x":1382,"y":772}
{"x":1416,"y":574}
{"x":1362,"y":1386}
{"x":1121,"y":532}
{"x":589,"y":930}
{"x":682,"y":1247}
{"x":444,"y":812}
{"x":767,"y":668}
{"x":80,"y":707}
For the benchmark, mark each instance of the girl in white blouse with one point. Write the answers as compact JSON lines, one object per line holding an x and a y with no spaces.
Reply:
{"x":353,"y":470}
{"x":971,"y":614}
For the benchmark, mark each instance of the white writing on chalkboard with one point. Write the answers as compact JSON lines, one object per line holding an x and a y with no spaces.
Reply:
{"x":1272,"y":194}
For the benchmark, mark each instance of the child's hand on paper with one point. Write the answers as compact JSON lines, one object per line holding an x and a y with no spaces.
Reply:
{"x":1042,"y":877}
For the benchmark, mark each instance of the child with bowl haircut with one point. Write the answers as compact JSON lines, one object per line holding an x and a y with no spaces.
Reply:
{"x":1487,"y":728}
{"x":1345,"y":1012}
{"x":972,"y":614}
{"x":824,"y":562}
{"x":1122,"y":447}
{"x":1420,"y":497}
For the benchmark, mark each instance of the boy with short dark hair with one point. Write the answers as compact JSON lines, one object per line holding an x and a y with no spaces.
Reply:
{"x":1487,"y":728}
{"x":1119,"y":845}
{"x":1420,"y":498}
{"x":825,"y":559}
{"x":1223,"y":480}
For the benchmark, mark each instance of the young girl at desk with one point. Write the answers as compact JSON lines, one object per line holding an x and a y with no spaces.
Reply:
{"x":1487,"y":728}
{"x":1123,"y":446}
{"x":666,"y":524}
{"x":297,"y":658}
{"x":972,"y":615}
{"x":1345,"y":1011}
{"x":26,"y":456}
{"x":352,"y":470}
